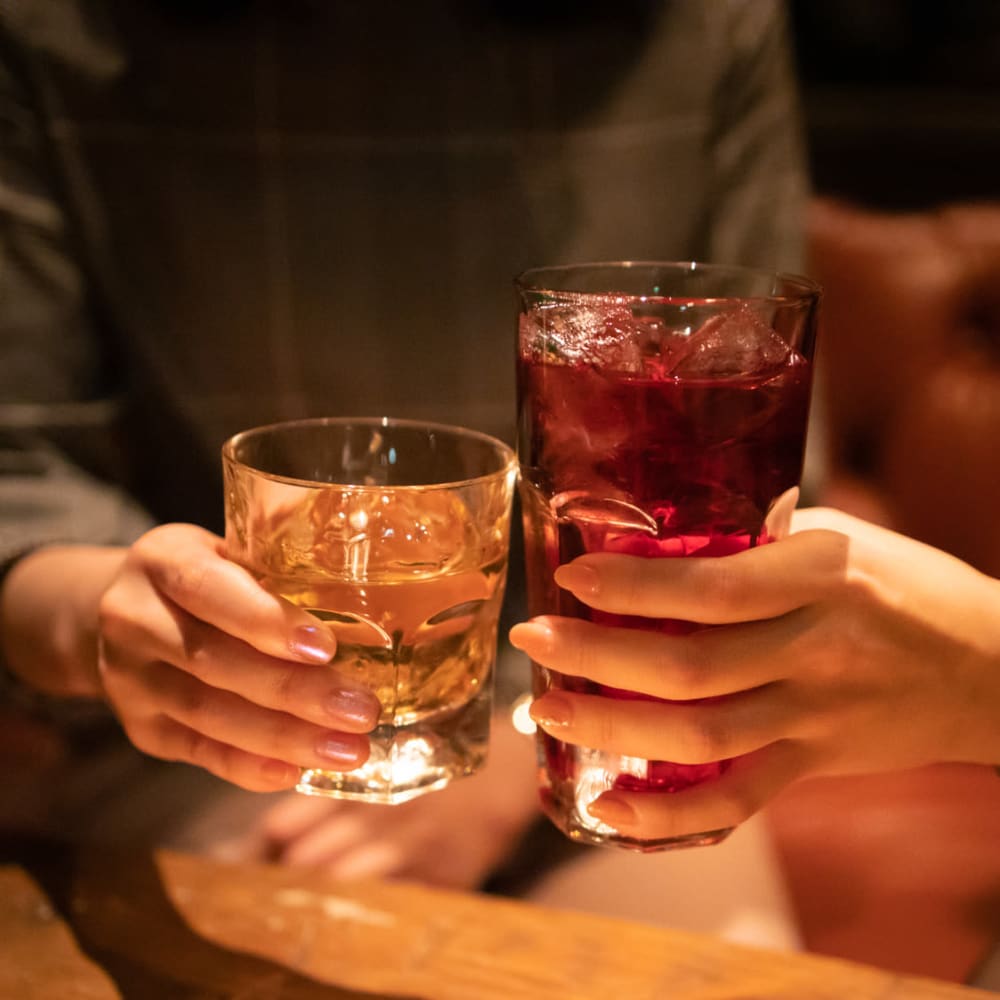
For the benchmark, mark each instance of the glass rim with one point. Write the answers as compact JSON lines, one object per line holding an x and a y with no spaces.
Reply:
{"x":802,"y":287}
{"x":504,"y":451}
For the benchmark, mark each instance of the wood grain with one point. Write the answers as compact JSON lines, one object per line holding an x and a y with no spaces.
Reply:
{"x":96,"y":925}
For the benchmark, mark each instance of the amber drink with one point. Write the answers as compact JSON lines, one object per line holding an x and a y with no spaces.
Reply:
{"x":395,"y":535}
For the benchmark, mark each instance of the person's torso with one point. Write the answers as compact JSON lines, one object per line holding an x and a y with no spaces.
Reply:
{"x":317,"y":208}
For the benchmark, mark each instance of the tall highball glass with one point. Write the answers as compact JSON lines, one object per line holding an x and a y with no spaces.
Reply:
{"x":662,"y":414}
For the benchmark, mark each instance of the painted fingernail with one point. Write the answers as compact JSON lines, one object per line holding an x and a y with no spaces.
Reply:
{"x":313,"y":642}
{"x":533,"y":638}
{"x":552,"y":712}
{"x":583,"y":580}
{"x":360,"y":708}
{"x":613,"y":810}
{"x":338,"y":749}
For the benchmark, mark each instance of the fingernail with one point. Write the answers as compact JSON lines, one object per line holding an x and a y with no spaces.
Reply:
{"x":358,"y":707}
{"x":339,"y":749}
{"x":533,"y":638}
{"x":583,"y":580}
{"x":613,"y":810}
{"x":313,"y":642}
{"x":551,"y":711}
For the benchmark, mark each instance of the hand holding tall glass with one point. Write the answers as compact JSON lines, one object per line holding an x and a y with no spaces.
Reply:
{"x":662,"y":414}
{"x":395,"y":534}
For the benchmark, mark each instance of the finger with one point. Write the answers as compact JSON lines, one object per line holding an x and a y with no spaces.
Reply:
{"x":251,"y":841}
{"x":682,"y":732}
{"x":170,"y":740}
{"x":381,"y":859}
{"x":702,"y":664}
{"x":445,"y":871}
{"x":748,"y":784}
{"x":318,"y":694}
{"x":295,"y":814}
{"x":233,"y":720}
{"x":763,"y":582}
{"x":328,"y":840}
{"x":186,"y":563}
{"x":154,"y":630}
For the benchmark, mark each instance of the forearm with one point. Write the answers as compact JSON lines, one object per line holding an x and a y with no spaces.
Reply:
{"x":49,"y":617}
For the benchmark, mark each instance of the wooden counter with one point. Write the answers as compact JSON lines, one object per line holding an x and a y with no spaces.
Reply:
{"x":90,"y":924}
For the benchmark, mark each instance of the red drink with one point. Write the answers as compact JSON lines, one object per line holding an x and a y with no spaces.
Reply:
{"x":647,"y":436}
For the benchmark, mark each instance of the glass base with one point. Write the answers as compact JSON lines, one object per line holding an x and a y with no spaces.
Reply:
{"x":331,"y":785}
{"x":407,"y":761}
{"x":592,"y":832}
{"x":572,"y":778}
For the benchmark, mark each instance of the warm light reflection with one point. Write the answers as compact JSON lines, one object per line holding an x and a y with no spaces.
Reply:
{"x":519,"y":716}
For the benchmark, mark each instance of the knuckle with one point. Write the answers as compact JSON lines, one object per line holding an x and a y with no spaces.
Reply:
{"x":833,"y":651}
{"x":284,"y":687}
{"x":199,"y":749}
{"x":709,"y":738}
{"x":176,"y":565}
{"x":108,"y":657}
{"x":195,"y":705}
{"x":858,"y":585}
{"x":273,"y":731}
{"x":199,"y":647}
{"x":187,"y":578}
{"x":688,"y":665}
{"x":726,"y":589}
{"x":121,"y":678}
{"x":606,"y":725}
{"x":113,"y":613}
{"x":634,"y":583}
{"x":580,"y":655}
{"x":154,"y":544}
{"x":278,"y":732}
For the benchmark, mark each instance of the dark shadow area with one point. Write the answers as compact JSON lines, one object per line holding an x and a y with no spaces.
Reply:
{"x":901,"y":99}
{"x":116,"y":906}
{"x":540,"y":849}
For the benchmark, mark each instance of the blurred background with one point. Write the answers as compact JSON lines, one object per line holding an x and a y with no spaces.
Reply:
{"x":902,"y":99}
{"x":902,"y":115}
